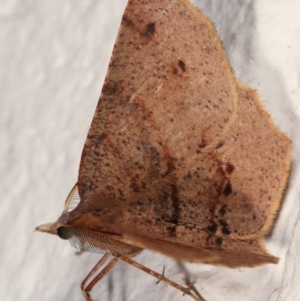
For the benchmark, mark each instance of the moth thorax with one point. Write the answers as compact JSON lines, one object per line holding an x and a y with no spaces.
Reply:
{"x":86,"y":241}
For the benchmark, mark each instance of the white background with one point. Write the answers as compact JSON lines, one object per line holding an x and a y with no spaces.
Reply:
{"x":53,"y":60}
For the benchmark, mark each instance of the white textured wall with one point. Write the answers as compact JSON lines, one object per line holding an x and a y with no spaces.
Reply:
{"x":53,"y":59}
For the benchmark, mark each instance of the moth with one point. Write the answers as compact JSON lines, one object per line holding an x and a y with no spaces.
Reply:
{"x":180,"y":158}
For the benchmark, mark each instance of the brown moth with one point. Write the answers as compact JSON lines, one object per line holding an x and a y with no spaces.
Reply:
{"x":180,"y":158}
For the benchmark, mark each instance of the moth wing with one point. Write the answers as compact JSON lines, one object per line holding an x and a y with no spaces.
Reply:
{"x":173,"y":249}
{"x":158,"y":160}
{"x":232,"y":253}
{"x":174,"y":52}
{"x":254,"y":163}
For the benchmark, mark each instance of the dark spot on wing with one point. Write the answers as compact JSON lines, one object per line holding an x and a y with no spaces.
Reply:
{"x":175,"y":205}
{"x":172,"y":230}
{"x":227,"y":189}
{"x":222,"y":211}
{"x":134,"y":186}
{"x":225,"y":230}
{"x":219,"y":241}
{"x":149,"y":30}
{"x":181,"y":65}
{"x":112,"y":88}
{"x":221,"y":172}
{"x":126,"y":21}
{"x":202,"y":144}
{"x":220,"y":144}
{"x":212,"y":228}
{"x":229,"y":168}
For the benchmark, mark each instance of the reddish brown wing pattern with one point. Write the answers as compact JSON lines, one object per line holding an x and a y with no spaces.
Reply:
{"x":166,"y":154}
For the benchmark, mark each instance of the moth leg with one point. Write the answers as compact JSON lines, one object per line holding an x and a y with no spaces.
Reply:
{"x":87,"y":288}
{"x":94,"y":270}
{"x":160,"y":277}
{"x":163,"y":274}
{"x":191,"y":287}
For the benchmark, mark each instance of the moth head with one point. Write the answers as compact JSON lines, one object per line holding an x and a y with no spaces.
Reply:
{"x":81,"y":234}
{"x":71,"y":203}
{"x":86,"y":241}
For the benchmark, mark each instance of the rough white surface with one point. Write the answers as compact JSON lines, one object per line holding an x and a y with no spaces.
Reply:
{"x":53,"y":57}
